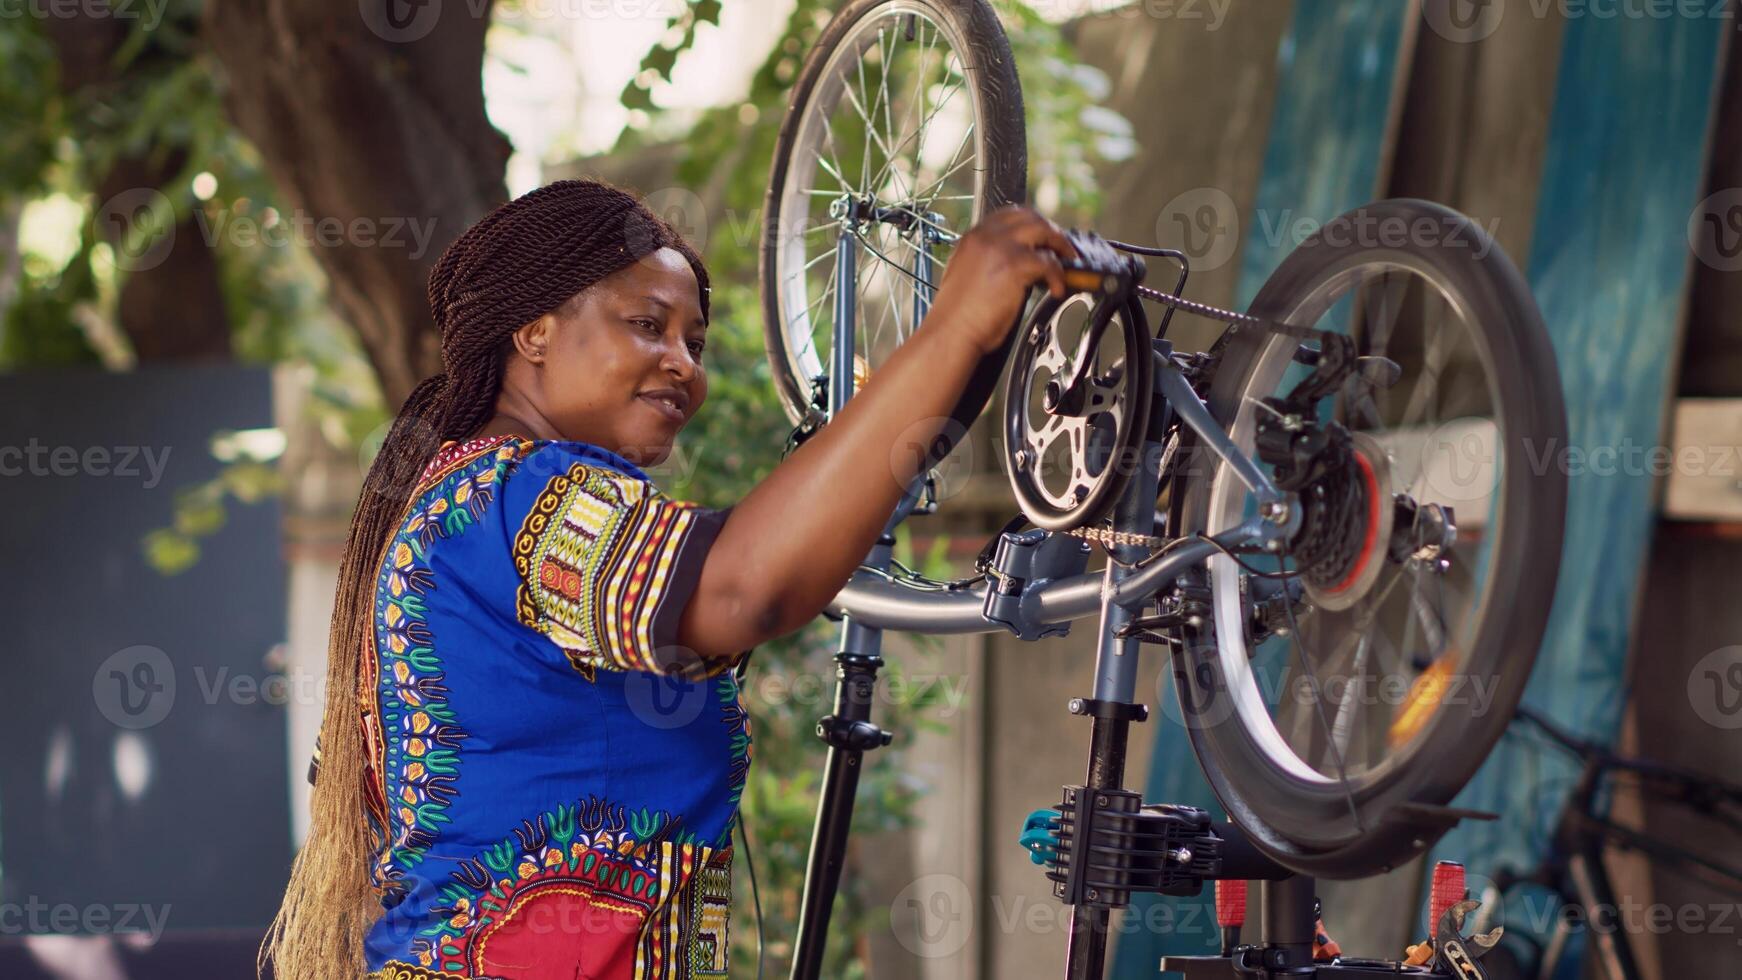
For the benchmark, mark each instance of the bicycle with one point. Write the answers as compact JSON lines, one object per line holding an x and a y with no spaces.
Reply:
{"x":1309,"y":437}
{"x":1573,"y":869}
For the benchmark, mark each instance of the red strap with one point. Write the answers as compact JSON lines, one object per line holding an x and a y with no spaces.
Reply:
{"x":1448,"y":890}
{"x":1231,"y":903}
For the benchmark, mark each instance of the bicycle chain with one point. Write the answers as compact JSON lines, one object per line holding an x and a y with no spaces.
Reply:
{"x":1229,"y":316}
{"x":1111,"y":538}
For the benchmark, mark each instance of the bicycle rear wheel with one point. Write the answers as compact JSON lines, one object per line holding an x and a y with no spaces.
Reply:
{"x":1335,"y":720}
{"x":905,"y":128}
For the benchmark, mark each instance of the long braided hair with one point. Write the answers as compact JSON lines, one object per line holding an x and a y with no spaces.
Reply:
{"x":527,"y":258}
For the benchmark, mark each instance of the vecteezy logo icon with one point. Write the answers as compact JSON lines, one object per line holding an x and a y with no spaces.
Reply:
{"x":934,"y":916}
{"x":1715,"y":230}
{"x":944,"y":457}
{"x":1463,"y":21}
{"x":1205,"y":225}
{"x":140,"y":224}
{"x":1715,"y":688}
{"x":135,"y":688}
{"x":668,"y":701}
{"x":400,"y":21}
{"x":679,"y":207}
{"x":402,"y":14}
{"x":1457,"y":462}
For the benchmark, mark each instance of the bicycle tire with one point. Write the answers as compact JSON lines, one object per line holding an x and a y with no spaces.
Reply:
{"x":991,"y":74}
{"x":1348,"y":830}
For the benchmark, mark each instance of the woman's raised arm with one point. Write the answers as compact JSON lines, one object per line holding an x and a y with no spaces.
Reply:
{"x":790,"y":545}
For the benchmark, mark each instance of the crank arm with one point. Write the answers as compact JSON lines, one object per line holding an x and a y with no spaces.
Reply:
{"x":1090,"y":344}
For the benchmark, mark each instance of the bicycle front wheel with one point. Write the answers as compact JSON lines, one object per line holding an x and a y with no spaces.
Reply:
{"x":1358,"y":679}
{"x":905,"y":128}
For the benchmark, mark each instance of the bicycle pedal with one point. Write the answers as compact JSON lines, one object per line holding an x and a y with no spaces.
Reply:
{"x":1099,"y":267}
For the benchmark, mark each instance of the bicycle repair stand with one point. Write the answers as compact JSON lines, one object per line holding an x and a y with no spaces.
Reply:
{"x":1130,"y":847}
{"x":1021,"y":558}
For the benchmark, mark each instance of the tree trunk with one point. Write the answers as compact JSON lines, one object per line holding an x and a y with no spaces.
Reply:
{"x":171,"y":304}
{"x":376,"y":136}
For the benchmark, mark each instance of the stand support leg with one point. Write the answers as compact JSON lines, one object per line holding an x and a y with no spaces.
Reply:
{"x":1086,"y":954}
{"x":849,"y":733}
{"x":1286,"y":925}
{"x":1116,"y":662}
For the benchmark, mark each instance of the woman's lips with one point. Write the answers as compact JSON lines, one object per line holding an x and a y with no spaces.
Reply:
{"x":663,"y":407}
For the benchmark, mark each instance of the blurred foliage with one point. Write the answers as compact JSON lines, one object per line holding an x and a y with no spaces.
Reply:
{"x":161,"y":104}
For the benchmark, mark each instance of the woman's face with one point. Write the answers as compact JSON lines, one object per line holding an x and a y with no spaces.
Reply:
{"x":622,"y":361}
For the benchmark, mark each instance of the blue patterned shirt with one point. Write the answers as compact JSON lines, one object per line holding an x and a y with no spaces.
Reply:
{"x":553,"y":780}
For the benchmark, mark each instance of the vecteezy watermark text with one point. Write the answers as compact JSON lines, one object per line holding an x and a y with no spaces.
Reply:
{"x":148,"y":12}
{"x":277,"y":230}
{"x":36,"y":459}
{"x":407,"y":21}
{"x":35,"y":917}
{"x":1469,"y":21}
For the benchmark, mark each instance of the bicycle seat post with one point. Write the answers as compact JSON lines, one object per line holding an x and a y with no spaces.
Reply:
{"x":1114,"y":705}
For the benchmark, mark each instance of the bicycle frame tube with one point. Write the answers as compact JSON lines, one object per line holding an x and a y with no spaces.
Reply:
{"x":874,"y":601}
{"x":841,"y":352}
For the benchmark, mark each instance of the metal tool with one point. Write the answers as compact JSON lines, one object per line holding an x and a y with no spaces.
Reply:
{"x":1454,"y":953}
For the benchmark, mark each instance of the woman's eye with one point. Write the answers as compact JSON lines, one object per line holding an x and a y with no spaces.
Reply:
{"x":652,"y":325}
{"x":696,"y":348}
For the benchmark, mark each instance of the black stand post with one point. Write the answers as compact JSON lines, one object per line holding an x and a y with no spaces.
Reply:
{"x":1286,"y":925}
{"x":1114,"y":706}
{"x":849,"y":733}
{"x":1086,"y":954}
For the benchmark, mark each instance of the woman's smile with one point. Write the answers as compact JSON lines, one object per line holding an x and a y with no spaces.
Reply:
{"x":671,"y":403}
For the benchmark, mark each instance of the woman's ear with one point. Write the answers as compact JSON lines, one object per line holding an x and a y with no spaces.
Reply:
{"x":533,"y":340}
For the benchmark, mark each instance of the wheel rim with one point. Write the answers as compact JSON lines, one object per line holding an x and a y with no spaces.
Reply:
{"x":1318,"y":715}
{"x":898,"y":119}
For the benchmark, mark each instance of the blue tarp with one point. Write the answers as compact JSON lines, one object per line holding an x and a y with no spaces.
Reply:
{"x":1609,"y":266}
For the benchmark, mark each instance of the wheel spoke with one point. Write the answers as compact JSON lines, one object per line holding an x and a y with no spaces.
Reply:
{"x":918,"y":135}
{"x":807,"y":266}
{"x":833,"y":166}
{"x":870,"y":131}
{"x":966,"y":135}
{"x":1377,"y":329}
{"x":1319,"y":706}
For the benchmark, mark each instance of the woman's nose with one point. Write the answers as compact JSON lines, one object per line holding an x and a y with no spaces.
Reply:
{"x":677,"y":361}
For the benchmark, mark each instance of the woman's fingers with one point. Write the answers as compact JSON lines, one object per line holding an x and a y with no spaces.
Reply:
{"x":1031,"y":228}
{"x":1034,"y":229}
{"x":1053,"y":271}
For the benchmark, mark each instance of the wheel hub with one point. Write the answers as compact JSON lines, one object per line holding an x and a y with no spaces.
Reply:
{"x":1343,"y":481}
{"x":1346,"y":525}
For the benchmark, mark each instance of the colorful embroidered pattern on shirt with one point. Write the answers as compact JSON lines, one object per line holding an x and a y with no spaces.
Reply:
{"x":614,"y":884}
{"x":594,"y":554}
{"x":411,"y":732}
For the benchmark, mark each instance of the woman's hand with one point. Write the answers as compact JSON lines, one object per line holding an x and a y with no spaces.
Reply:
{"x":996,"y":262}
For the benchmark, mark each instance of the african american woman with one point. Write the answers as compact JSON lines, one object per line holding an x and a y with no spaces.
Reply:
{"x":495,"y":795}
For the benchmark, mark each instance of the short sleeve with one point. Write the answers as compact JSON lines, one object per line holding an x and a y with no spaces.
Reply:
{"x":606,"y":564}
